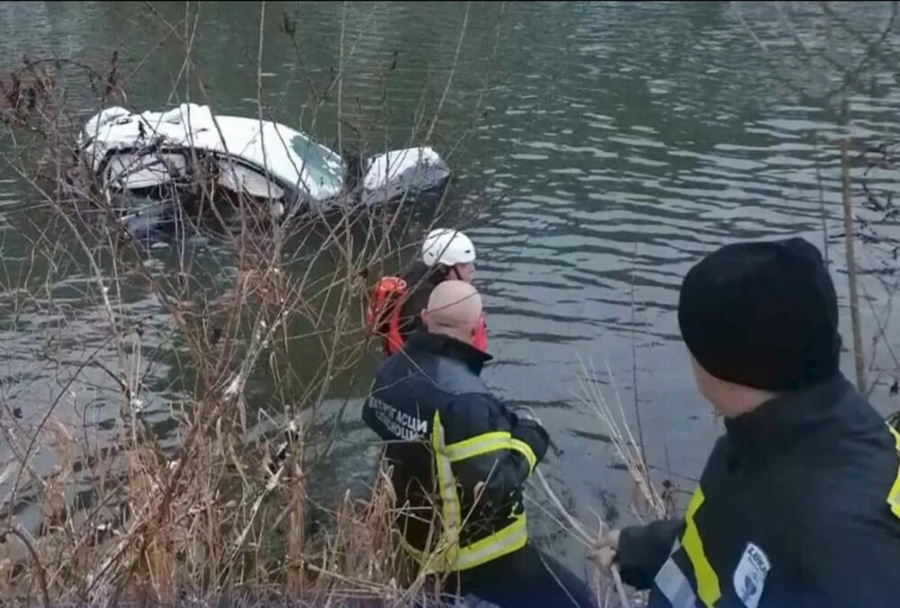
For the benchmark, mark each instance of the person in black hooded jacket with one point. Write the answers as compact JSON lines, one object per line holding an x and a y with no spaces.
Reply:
{"x":421,"y":280}
{"x":459,"y":459}
{"x":799,"y":503}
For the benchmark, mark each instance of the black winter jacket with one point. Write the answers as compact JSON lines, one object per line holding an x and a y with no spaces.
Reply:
{"x":431,"y":374}
{"x":798,"y":507}
{"x":420,"y":281}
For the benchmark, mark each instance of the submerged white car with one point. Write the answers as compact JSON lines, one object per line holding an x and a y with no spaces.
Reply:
{"x":144,"y":154}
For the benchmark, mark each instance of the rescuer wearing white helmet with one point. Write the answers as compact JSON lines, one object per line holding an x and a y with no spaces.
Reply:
{"x":446,"y":254}
{"x":451,"y":252}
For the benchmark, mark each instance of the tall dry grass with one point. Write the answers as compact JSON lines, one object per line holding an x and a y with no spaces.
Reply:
{"x":132,"y":516}
{"x":212,"y":517}
{"x":648,"y":499}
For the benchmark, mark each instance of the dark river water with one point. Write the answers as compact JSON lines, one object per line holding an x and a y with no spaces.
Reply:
{"x":618,"y":143}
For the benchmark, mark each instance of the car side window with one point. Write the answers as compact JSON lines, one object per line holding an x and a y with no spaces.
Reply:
{"x":238,"y":177}
{"x":134,"y":170}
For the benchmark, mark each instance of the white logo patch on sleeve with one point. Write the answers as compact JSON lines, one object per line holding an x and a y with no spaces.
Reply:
{"x":750,"y":575}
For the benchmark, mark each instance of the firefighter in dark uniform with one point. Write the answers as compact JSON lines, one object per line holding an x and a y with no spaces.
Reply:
{"x":459,"y":461}
{"x":799,"y":503}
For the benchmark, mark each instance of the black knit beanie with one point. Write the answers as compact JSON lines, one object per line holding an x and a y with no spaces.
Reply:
{"x":762,"y":314}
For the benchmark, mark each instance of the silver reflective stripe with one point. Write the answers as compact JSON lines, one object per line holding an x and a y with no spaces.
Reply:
{"x":673,"y":584}
{"x":675,"y":547}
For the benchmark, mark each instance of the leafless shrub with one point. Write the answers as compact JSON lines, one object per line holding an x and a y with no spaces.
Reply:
{"x":825,"y":53}
{"x":133,"y":517}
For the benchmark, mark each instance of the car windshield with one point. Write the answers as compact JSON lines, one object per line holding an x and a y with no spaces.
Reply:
{"x":323,"y":166}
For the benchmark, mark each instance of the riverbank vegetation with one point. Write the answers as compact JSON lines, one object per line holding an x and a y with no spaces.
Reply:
{"x":100,"y":512}
{"x":96,"y":506}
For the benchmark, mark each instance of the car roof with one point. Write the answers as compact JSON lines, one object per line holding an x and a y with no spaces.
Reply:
{"x":292,"y":157}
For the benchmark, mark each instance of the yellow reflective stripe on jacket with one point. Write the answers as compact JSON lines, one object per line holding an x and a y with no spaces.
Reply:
{"x":707,"y":581}
{"x":490,"y":442}
{"x":450,"y":508}
{"x":482,"y":444}
{"x":893,"y":498}
{"x":526,"y":451}
{"x":449,"y":556}
{"x":511,"y":538}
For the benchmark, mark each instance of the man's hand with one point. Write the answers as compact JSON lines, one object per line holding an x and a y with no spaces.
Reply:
{"x":606,"y":549}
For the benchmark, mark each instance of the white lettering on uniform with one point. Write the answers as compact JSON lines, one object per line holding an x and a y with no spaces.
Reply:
{"x":401,"y":424}
{"x":750,"y":575}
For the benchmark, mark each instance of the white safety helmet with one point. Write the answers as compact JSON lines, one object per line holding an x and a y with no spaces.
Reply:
{"x":448,"y":247}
